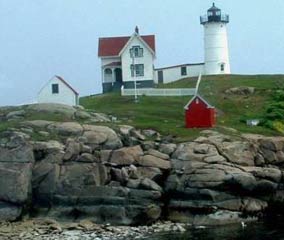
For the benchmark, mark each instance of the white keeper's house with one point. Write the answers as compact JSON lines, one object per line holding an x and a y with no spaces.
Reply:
{"x":57,"y":90}
{"x":125,"y":60}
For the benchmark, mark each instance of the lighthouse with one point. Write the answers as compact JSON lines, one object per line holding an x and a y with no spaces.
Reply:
{"x":216,"y":41}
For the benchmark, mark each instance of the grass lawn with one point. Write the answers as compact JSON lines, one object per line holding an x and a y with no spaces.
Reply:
{"x":166,"y":114}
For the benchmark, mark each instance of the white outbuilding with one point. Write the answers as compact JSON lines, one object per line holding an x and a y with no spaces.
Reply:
{"x":57,"y":90}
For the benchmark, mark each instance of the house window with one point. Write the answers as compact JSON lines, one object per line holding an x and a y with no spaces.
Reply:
{"x":183,"y":71}
{"x":136,"y":51}
{"x":139,"y":70}
{"x":55,"y":88}
{"x":222,"y":67}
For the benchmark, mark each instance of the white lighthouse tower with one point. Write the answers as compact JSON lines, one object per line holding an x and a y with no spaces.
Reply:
{"x":216,"y":42}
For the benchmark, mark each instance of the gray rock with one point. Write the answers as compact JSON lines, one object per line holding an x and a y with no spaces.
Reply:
{"x":133,"y":183}
{"x":44,"y":133}
{"x":265,"y":187}
{"x":87,"y":158}
{"x":19,"y":153}
{"x":272,"y":174}
{"x":82,"y":115}
{"x":15,"y":181}
{"x":244,"y":181}
{"x":72,"y":151}
{"x":105,"y":155}
{"x":9,"y":212}
{"x":240,"y":90}
{"x":102,"y":135}
{"x":125,"y":129}
{"x":168,"y":148}
{"x":37,"y":123}
{"x":62,"y":109}
{"x":151,"y":161}
{"x":148,"y":184}
{"x":150,"y":133}
{"x":137,"y":134}
{"x":241,"y":153}
{"x":186,"y":152}
{"x":147,"y":145}
{"x":126,"y":156}
{"x":99,"y":117}
{"x":150,"y":172}
{"x":66,"y":128}
{"x":16,"y":114}
{"x":119,"y":175}
{"x":158,"y":154}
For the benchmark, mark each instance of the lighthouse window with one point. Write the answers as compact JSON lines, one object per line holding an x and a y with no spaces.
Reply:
{"x":222,"y":67}
{"x":183,"y":71}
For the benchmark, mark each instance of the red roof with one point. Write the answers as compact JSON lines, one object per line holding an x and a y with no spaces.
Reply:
{"x":113,"y":45}
{"x":67,"y":84}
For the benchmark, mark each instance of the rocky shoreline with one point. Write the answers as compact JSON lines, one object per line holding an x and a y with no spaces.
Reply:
{"x":120,"y":175}
{"x":47,"y":229}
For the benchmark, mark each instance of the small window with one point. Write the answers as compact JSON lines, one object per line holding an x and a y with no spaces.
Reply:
{"x":55,"y":88}
{"x":137,"y":51}
{"x":222,"y":67}
{"x":139,"y":70}
{"x":183,"y":71}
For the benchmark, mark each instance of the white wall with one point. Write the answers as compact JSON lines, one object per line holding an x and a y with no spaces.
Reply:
{"x":172,"y":74}
{"x":216,"y":48}
{"x":65,"y":95}
{"x":147,"y":60}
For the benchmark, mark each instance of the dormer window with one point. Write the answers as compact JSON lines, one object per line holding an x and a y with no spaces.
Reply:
{"x":136,"y":51}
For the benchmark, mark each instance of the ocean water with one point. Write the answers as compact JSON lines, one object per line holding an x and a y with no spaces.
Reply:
{"x":270,"y":229}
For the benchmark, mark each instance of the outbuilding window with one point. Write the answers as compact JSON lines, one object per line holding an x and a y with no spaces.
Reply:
{"x":183,"y":71}
{"x":55,"y":88}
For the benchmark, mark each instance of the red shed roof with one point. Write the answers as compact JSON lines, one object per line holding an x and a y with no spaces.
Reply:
{"x":112,"y":46}
{"x":67,"y":84}
{"x":201,"y":99}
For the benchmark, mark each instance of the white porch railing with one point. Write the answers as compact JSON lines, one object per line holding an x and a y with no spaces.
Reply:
{"x":158,"y":91}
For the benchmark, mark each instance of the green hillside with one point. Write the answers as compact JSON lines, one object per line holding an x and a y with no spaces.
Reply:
{"x":166,"y":114}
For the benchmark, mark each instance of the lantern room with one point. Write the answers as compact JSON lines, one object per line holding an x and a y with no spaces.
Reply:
{"x":214,"y":14}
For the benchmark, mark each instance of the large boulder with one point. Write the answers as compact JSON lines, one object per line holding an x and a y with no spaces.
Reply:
{"x":81,"y":178}
{"x":152,"y":161}
{"x":9,"y":212}
{"x":53,"y":108}
{"x":127,"y":155}
{"x":194,"y":151}
{"x":15,"y":179}
{"x":102,"y":135}
{"x":66,"y":128}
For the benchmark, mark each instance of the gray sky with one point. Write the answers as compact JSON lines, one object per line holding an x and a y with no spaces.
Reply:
{"x":42,"y":38}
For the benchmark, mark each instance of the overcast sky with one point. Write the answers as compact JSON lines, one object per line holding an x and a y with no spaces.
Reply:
{"x":43,"y":38}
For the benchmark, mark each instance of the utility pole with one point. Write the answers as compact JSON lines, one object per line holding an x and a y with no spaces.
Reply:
{"x":134,"y":77}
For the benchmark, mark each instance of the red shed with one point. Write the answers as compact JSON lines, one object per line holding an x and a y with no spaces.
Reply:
{"x":199,"y":113}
